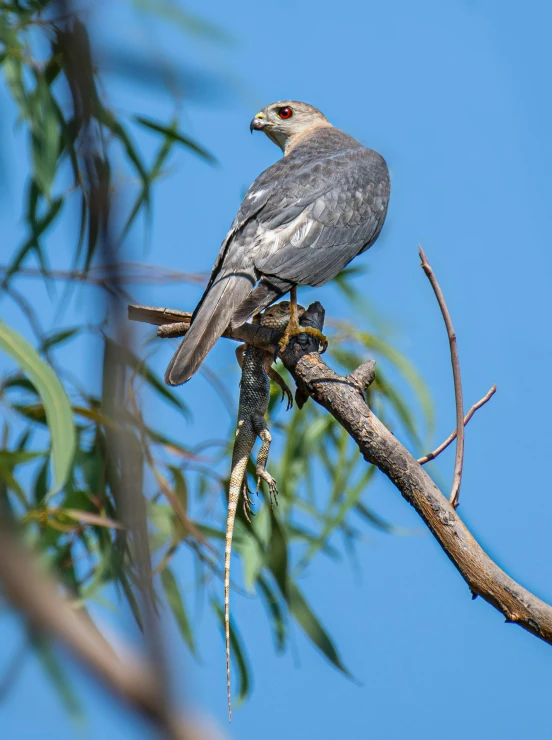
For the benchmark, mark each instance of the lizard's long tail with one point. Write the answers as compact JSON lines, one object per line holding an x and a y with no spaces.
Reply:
{"x":213,"y":315}
{"x":239,"y":467}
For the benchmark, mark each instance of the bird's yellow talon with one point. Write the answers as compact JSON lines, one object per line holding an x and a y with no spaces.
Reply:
{"x":295,"y":331}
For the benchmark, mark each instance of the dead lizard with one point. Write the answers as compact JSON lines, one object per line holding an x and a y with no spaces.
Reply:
{"x":254,"y":396}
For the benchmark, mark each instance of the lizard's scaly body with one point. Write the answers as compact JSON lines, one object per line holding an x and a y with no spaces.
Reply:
{"x":253,"y":404}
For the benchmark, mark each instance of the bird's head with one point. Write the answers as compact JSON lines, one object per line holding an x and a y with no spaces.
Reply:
{"x":286,"y":121}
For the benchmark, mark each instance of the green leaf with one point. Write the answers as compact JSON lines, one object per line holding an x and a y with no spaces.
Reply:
{"x":143,"y":195}
{"x":38,"y":227}
{"x":276,"y":613}
{"x":184,"y":20}
{"x":40,"y":487}
{"x":349,"y":500}
{"x":407,"y":369}
{"x":180,"y":486}
{"x":123,"y":581}
{"x":380,"y":523}
{"x":13,"y":71}
{"x":45,"y":137}
{"x":11,"y":459}
{"x":212,"y":533}
{"x":117,"y":128}
{"x":141,"y":369}
{"x":313,"y":629}
{"x":54,"y":398}
{"x":162,"y":518}
{"x":400,"y":406}
{"x":174,"y":135}
{"x":277,"y":559}
{"x":252,"y":558}
{"x":59,"y":337}
{"x":11,"y":483}
{"x":58,"y":677}
{"x":88,"y":517}
{"x":175,"y":601}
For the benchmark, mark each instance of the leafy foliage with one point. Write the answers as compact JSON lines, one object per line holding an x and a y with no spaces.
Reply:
{"x":70,"y":510}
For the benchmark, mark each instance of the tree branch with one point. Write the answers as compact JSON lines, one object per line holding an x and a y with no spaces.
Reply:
{"x":437,"y":451}
{"x":459,"y":461}
{"x":174,"y":324}
{"x":37,"y":596}
{"x":344,"y":398}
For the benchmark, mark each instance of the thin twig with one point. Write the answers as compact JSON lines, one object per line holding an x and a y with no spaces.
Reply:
{"x":448,"y":440}
{"x":459,"y":461}
{"x":173,"y":323}
{"x":157,"y":316}
{"x":126,"y":272}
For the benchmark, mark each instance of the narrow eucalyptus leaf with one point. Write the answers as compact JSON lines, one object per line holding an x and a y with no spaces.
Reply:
{"x":171,"y":133}
{"x":176,"y":603}
{"x":56,"y":404}
{"x":313,"y":629}
{"x":275,"y":611}
{"x":61,"y":681}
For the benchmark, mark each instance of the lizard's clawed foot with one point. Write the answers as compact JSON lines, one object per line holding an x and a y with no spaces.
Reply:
{"x":247,"y":504}
{"x":272,"y":488}
{"x":287,"y":394}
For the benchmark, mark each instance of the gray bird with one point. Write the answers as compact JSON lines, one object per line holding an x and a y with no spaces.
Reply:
{"x":301,"y":222}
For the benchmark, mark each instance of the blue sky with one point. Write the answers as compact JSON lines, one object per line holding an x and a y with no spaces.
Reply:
{"x":455,"y":95}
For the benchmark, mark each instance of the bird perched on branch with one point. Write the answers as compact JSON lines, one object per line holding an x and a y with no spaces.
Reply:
{"x":301,"y":222}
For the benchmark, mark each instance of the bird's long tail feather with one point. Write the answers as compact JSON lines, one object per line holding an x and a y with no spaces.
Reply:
{"x":215,"y":312}
{"x":268,"y":290}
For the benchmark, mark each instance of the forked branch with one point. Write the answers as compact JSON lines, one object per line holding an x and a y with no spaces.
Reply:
{"x":459,"y":461}
{"x":443,"y":446}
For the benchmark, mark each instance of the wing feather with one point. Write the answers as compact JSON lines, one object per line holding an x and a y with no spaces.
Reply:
{"x":342,"y":218}
{"x":310,"y":213}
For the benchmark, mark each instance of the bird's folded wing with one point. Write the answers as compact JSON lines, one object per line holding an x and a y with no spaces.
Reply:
{"x":306,"y":217}
{"x":337,"y":212}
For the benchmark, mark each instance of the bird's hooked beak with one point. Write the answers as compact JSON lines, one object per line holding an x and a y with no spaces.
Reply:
{"x":258,"y":123}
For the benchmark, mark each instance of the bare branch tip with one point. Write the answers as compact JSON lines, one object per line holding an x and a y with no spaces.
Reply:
{"x":452,"y":437}
{"x":364,"y":375}
{"x":459,"y":461}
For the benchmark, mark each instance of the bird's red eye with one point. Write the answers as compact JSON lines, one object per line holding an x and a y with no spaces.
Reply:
{"x":285,"y":113}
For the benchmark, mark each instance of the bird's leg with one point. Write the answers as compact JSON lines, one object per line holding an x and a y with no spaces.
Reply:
{"x":293,"y":315}
{"x":293,"y":328}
